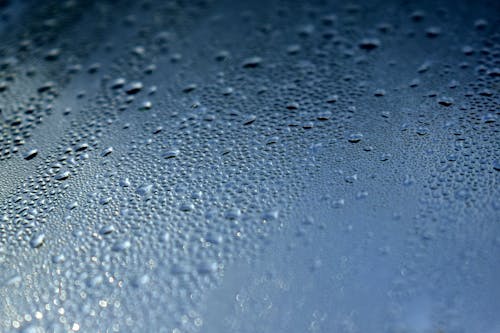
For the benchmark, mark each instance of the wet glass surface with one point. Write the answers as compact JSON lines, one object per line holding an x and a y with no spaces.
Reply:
{"x":249,"y":166}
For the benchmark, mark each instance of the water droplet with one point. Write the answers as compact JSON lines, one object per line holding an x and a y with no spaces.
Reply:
{"x":30,"y":154}
{"x":369,"y":43}
{"x":107,"y":151}
{"x":121,"y":246}
{"x":207,"y":267}
{"x":355,"y":137}
{"x":133,"y":88}
{"x":106,"y":230}
{"x":172,"y":153}
{"x":37,"y":240}
{"x":62,"y":175}
{"x":118,"y":83}
{"x":252,"y":62}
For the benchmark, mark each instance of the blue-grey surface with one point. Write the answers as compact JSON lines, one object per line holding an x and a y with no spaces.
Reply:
{"x":249,"y":166}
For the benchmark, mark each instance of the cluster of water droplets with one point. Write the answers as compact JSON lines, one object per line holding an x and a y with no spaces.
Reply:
{"x":144,"y":156}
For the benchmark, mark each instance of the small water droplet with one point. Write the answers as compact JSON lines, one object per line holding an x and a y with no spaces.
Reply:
{"x":37,"y":240}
